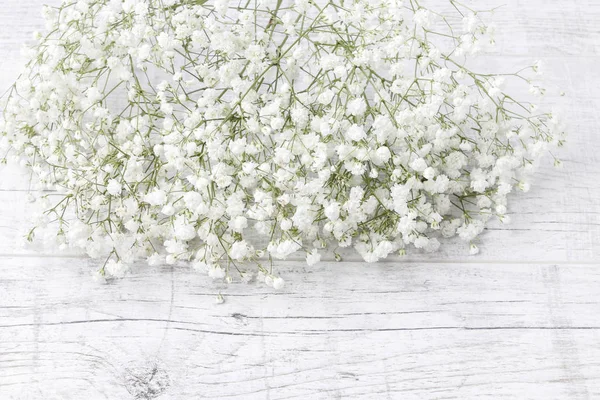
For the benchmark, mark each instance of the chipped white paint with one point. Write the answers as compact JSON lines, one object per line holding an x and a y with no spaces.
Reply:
{"x":520,"y":320}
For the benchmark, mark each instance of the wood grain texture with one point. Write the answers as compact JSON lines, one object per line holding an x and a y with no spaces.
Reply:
{"x":520,"y":320}
{"x":343,"y":331}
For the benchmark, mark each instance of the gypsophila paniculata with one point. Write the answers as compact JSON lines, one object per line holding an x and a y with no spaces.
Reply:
{"x":227,"y":132}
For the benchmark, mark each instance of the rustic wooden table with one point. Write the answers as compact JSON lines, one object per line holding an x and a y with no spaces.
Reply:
{"x":520,"y":320}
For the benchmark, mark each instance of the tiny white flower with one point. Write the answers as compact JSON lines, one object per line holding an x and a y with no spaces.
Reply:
{"x":278,"y":283}
{"x":286,"y":224}
{"x":269,"y":280}
{"x":356,"y":107}
{"x":156,"y":197}
{"x":313,"y":257}
{"x":524,"y":186}
{"x":418,"y":164}
{"x":238,"y":224}
{"x":155,"y":259}
{"x":115,"y":268}
{"x":326,"y":97}
{"x":277,"y":123}
{"x":332,"y":211}
{"x":429,"y":173}
{"x":114,"y":187}
{"x":168,"y":210}
{"x":99,"y":277}
{"x":473,"y":249}
{"x":239,"y":250}
{"x":356,"y":133}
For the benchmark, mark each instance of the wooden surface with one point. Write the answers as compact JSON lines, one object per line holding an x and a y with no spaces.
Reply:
{"x":519,"y":320}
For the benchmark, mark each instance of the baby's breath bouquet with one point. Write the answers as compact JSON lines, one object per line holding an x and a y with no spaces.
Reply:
{"x":231,"y":133}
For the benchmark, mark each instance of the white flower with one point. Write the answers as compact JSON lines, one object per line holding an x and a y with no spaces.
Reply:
{"x":469,"y":231}
{"x":423,"y":18}
{"x":238,"y":224}
{"x":382,"y":155}
{"x":239,"y":250}
{"x":168,"y":210}
{"x":356,"y":133}
{"x":269,"y":280}
{"x":332,"y":211}
{"x":283,"y":249}
{"x":166,"y":135}
{"x":524,"y":186}
{"x":277,"y":123}
{"x":114,"y":187}
{"x":183,"y":230}
{"x":155,"y":259}
{"x":473,"y":249}
{"x":254,"y":53}
{"x":421,"y":242}
{"x":383,"y":249}
{"x":326,"y":97}
{"x":419,"y":165}
{"x":156,"y":197}
{"x":429,"y":173}
{"x":115,"y":268}
{"x":356,"y":107}
{"x":282,"y":156}
{"x":93,"y":94}
{"x":286,"y":224}
{"x":313,"y":257}
{"x":278,"y":283}
{"x":99,"y":277}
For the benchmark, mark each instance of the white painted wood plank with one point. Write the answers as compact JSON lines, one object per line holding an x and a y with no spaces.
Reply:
{"x":336,"y":331}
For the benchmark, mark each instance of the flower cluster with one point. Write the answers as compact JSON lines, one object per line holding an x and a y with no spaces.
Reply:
{"x":222,"y":132}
